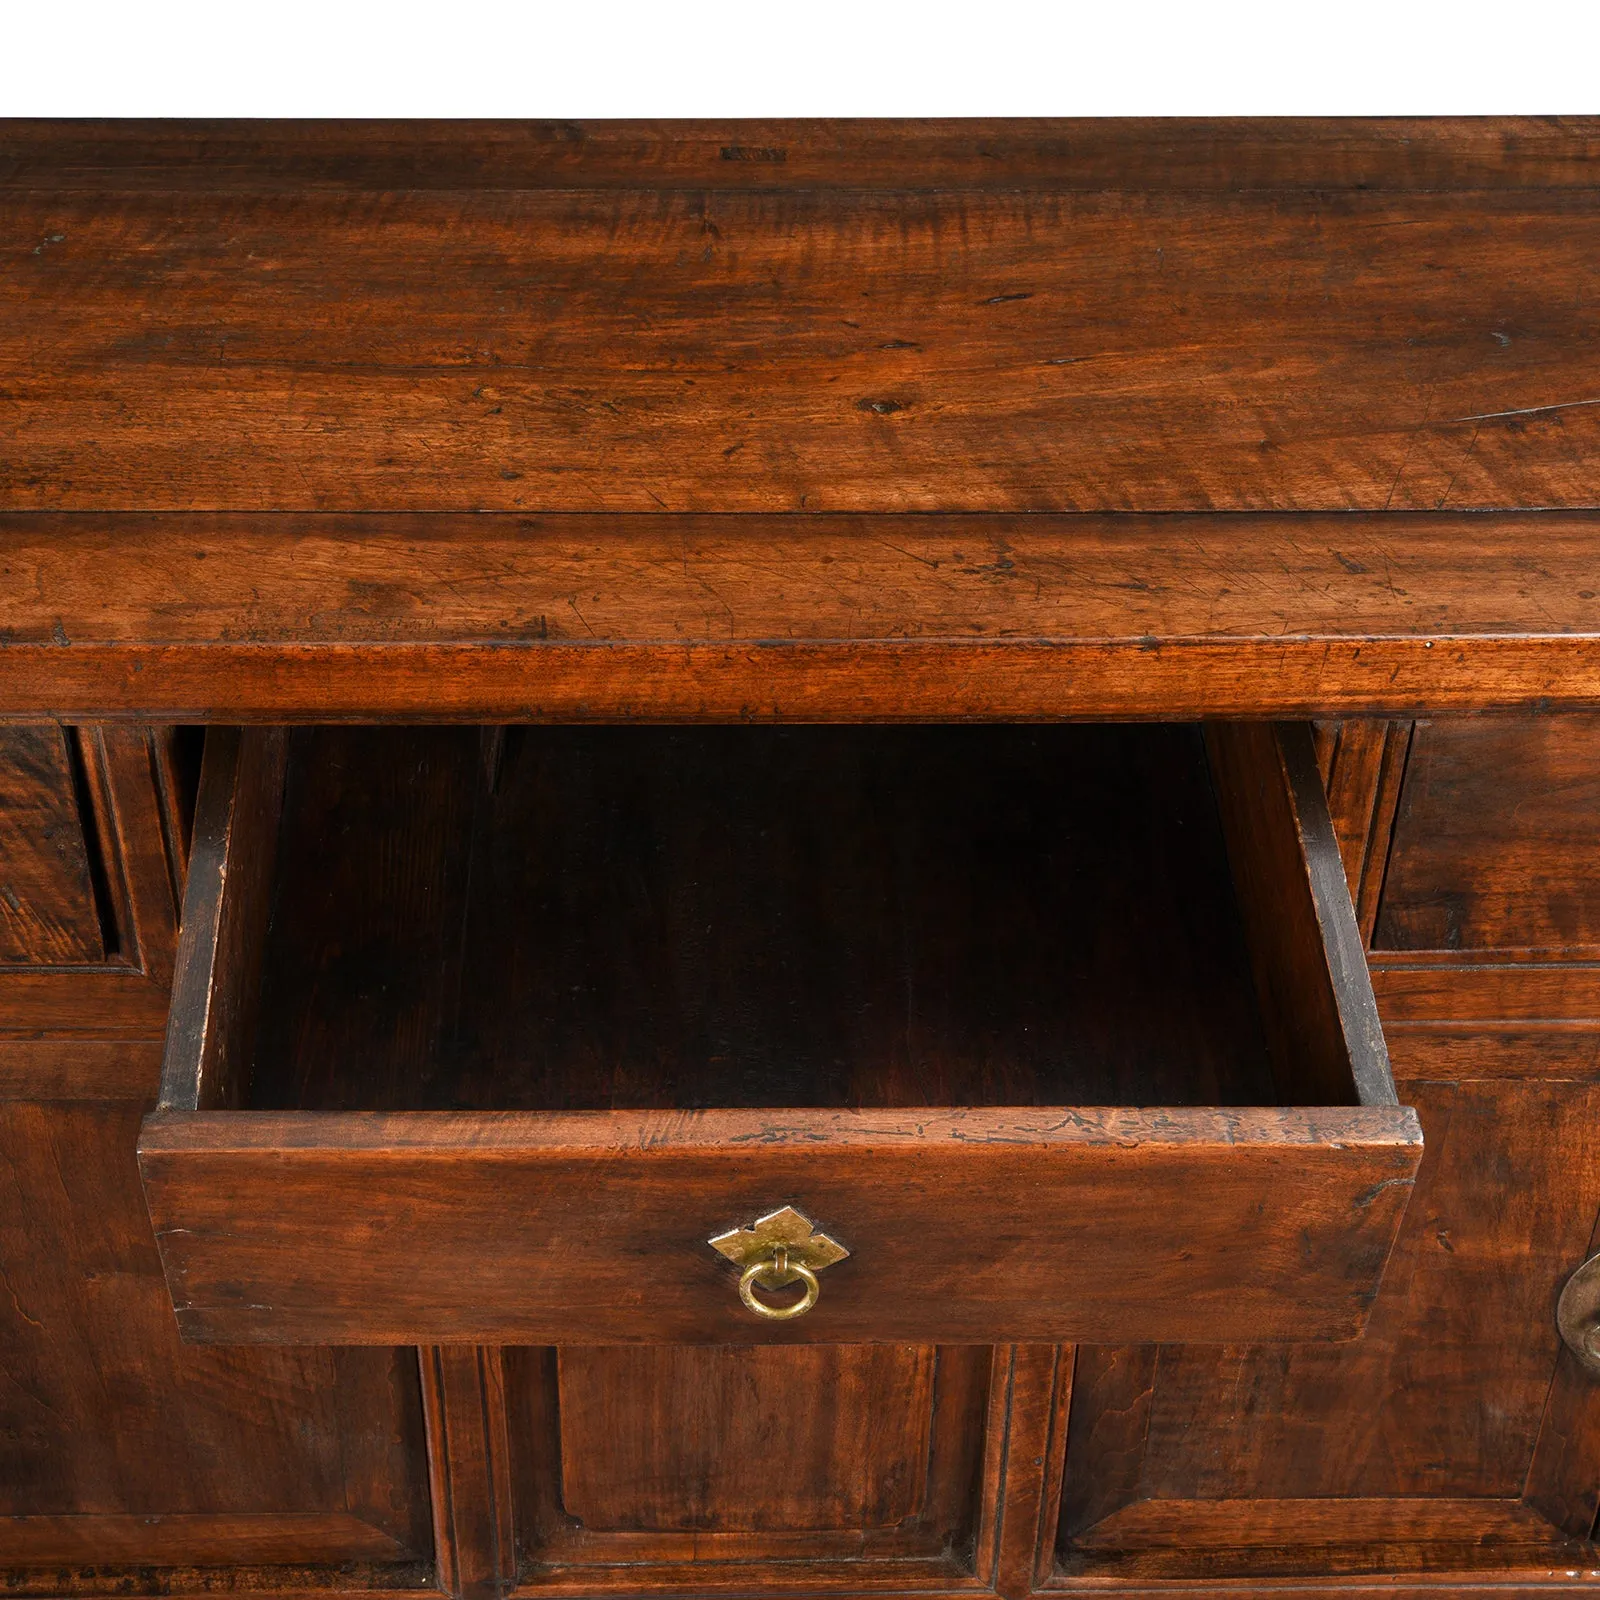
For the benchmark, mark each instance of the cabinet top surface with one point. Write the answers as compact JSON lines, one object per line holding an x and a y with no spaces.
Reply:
{"x":637,"y":323}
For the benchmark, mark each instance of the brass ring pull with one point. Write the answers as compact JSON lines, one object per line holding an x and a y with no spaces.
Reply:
{"x":780,"y":1268}
{"x":774,"y":1252}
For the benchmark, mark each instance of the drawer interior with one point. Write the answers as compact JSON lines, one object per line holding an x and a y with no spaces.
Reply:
{"x":491,"y":1035}
{"x":625,"y":918}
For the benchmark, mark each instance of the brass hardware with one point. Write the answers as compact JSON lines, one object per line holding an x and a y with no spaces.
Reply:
{"x":1578,"y":1314}
{"x":777,"y":1250}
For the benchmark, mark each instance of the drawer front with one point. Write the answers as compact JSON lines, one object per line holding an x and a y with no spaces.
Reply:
{"x":1188,"y":1225}
{"x":1036,"y":1215}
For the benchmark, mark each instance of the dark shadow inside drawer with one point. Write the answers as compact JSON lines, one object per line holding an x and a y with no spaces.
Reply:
{"x":684,"y":976}
{"x":587,"y":918}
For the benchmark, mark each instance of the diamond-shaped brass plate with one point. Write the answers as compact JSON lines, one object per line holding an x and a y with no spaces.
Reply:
{"x":787,"y":1229}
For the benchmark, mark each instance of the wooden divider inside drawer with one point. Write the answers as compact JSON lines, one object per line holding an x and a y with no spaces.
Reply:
{"x":1063,"y":1032}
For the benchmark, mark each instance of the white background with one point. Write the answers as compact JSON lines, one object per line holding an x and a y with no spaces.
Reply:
{"x":822,"y":58}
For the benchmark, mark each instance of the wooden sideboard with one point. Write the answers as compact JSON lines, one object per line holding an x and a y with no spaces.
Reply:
{"x":1030,"y":690}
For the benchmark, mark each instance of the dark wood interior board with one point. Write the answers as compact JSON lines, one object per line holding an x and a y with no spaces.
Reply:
{"x":49,"y":913}
{"x":1496,"y":845}
{"x":371,"y":1228}
{"x":800,"y":350}
{"x":1445,"y":1402}
{"x":756,"y":917}
{"x":1317,"y":1007}
{"x":119,"y":1444}
{"x":1223,"y":155}
{"x":228,"y":899}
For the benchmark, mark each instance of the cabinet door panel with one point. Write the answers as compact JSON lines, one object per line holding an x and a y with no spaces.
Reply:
{"x":120,"y":1443}
{"x":1496,"y":843}
{"x":48,"y":910}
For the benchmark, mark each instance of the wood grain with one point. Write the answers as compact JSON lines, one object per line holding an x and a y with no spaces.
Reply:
{"x":683,"y":1438}
{"x":1317,"y":1006}
{"x":49,"y":915}
{"x":932,"y":1543}
{"x":1495,"y":845}
{"x":757,"y":917}
{"x":118,"y":1438}
{"x":352,"y":1227}
{"x":802,"y":618}
{"x":1210,"y":154}
{"x":1237,"y":1441}
{"x":650,"y":349}
{"x":216,"y":987}
{"x":469,"y":1465}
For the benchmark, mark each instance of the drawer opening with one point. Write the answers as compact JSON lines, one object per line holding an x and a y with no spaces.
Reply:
{"x":558,"y":919}
{"x":1064,"y":1032}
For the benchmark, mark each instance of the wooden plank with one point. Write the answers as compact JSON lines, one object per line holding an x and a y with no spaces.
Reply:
{"x":1112,"y":1388}
{"x":580,"y":1227}
{"x":684,"y":349}
{"x":72,"y":1069}
{"x":1440,"y":1400}
{"x":1224,"y":1524}
{"x":515,"y":618}
{"x":1488,"y":995}
{"x":184,"y":1539}
{"x":1210,"y":154}
{"x":932,"y":1544}
{"x":122,"y":1444}
{"x":1317,"y":1007}
{"x":1447,"y":1054}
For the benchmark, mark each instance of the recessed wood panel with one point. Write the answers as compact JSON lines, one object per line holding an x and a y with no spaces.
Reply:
{"x":1497,"y":839}
{"x":689,"y":1438}
{"x":1441,"y":1406}
{"x":48,"y":914}
{"x":115,"y":1436}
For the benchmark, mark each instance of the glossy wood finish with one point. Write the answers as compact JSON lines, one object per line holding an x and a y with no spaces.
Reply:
{"x":860,"y":341}
{"x":796,"y":618}
{"x":933,"y":931}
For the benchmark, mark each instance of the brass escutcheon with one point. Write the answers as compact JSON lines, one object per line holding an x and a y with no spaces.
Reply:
{"x":777,"y":1250}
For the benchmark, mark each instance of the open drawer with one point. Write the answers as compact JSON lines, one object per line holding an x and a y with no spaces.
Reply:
{"x":1061,"y":1032}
